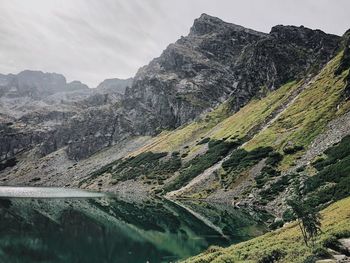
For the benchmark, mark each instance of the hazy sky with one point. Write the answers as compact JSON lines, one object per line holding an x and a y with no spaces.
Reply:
{"x":91,"y":40}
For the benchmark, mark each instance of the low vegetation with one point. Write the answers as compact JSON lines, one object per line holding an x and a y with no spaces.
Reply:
{"x":221,"y":123}
{"x":276,"y":188}
{"x":307,"y":116}
{"x":152,"y":166}
{"x":8,"y":163}
{"x":188,"y":134}
{"x":254,"y":113}
{"x":217,"y":150}
{"x":241,"y":160}
{"x":293,"y":149}
{"x":267,"y":173}
{"x":332,"y":181}
{"x":287,"y":243}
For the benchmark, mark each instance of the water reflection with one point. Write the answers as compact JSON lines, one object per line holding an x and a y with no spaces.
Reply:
{"x":112,"y":230}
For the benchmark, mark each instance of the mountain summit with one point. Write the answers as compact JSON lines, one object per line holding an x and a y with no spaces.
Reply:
{"x":207,"y":24}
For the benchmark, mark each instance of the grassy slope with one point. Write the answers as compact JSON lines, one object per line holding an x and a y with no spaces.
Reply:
{"x":253,"y":113}
{"x":299,"y":123}
{"x":335,"y":220}
{"x":219,"y":124}
{"x":173,"y":140}
{"x":309,"y":114}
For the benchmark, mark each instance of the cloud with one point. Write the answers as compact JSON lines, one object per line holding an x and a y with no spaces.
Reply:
{"x":91,"y":40}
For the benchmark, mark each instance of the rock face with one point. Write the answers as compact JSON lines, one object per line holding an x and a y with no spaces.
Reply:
{"x":345,"y":62}
{"x":286,"y":54}
{"x":215,"y":62}
{"x":42,"y":110}
{"x":114,"y":86}
{"x":33,"y":90}
{"x":191,"y":76}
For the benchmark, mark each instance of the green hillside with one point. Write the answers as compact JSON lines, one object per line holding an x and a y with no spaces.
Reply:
{"x":285,"y":121}
{"x":287,"y":241}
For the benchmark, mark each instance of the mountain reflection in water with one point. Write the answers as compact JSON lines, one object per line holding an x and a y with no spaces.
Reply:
{"x":108,"y":229}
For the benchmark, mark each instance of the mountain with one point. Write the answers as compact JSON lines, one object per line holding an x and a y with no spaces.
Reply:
{"x":21,"y":93}
{"x":114,"y":85}
{"x":225,"y":113}
{"x":217,"y":61}
{"x":39,"y":110}
{"x":251,"y":156}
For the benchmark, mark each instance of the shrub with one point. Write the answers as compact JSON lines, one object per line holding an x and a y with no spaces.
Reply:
{"x":300,"y":169}
{"x":184,"y":155}
{"x":333,"y":243}
{"x":203,"y":141}
{"x":318,"y":162}
{"x":288,"y":215}
{"x":276,"y":187}
{"x":8,"y":163}
{"x":217,"y":150}
{"x":293,"y":149}
{"x":270,"y":171}
{"x":266,"y":173}
{"x":342,"y":234}
{"x":310,"y":259}
{"x":321,"y":253}
{"x":274,"y":158}
{"x":175,"y":154}
{"x":332,"y":182}
{"x":242,"y":158}
{"x":334,"y":154}
{"x":272,"y":256}
{"x":276,"y":224}
{"x":146,"y":164}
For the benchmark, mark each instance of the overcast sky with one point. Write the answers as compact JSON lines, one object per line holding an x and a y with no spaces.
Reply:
{"x":91,"y":40}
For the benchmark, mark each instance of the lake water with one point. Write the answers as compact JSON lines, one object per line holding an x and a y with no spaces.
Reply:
{"x":63,"y":225}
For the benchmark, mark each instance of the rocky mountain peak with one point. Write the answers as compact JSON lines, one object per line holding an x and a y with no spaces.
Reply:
{"x":207,"y":24}
{"x":346,"y":39}
{"x":76,"y":85}
{"x":37,"y":84}
{"x":345,"y":61}
{"x":299,"y":34}
{"x":114,"y":85}
{"x":40,"y":79}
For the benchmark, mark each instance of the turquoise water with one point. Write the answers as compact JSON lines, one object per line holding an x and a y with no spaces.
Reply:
{"x":60,"y":225}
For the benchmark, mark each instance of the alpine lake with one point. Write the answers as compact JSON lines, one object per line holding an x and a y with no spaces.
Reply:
{"x":40,"y":224}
